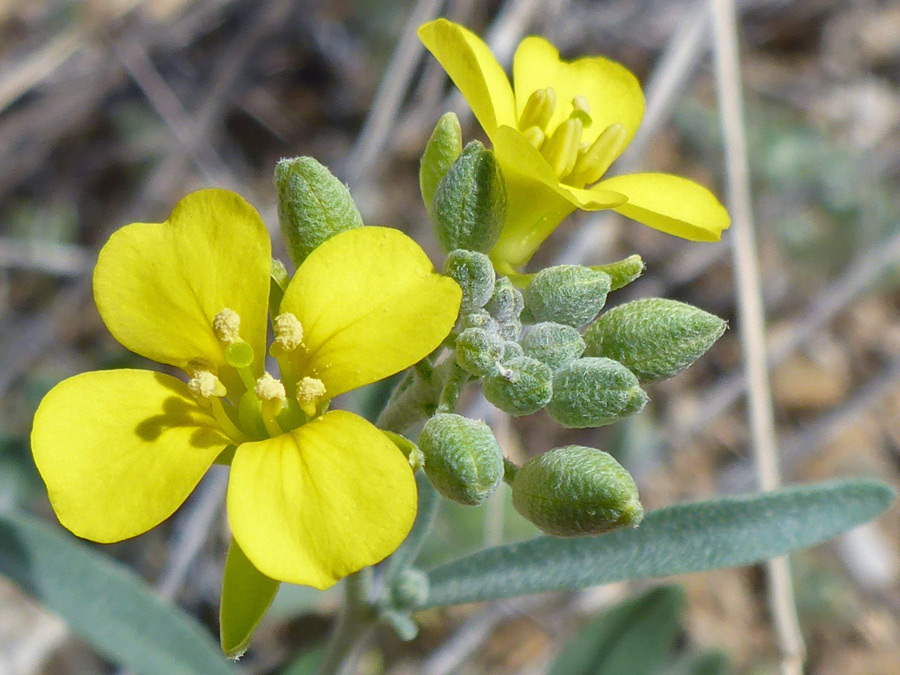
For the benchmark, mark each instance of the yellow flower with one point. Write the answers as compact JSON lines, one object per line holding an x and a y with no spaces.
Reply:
{"x":313,"y":496}
{"x":555,"y":133}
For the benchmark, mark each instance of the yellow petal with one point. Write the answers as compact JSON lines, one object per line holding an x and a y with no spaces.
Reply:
{"x":474,"y":70}
{"x":671,"y":204}
{"x":613,"y":93}
{"x":537,"y":202}
{"x":314,"y":505}
{"x":158,"y":286}
{"x":247,"y":594}
{"x":370,"y":304}
{"x":120,"y":450}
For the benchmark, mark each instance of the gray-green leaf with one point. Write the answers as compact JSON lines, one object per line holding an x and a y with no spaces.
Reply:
{"x":725,"y":532}
{"x":104,"y":602}
{"x":632,"y":638}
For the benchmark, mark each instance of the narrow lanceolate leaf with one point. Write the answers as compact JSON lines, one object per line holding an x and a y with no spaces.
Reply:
{"x":632,"y":638}
{"x":105,"y":603}
{"x":694,"y":537}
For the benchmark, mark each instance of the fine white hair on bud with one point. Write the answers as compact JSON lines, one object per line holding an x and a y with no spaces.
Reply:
{"x":288,"y":331}
{"x":269,"y":389}
{"x":226,"y":325}
{"x":310,"y":389}
{"x":205,"y":385}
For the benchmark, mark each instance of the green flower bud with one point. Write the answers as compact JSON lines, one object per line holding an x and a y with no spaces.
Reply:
{"x":313,"y":206}
{"x":520,"y":386}
{"x":409,"y":589}
{"x":463,"y":460}
{"x":592,"y":392}
{"x":553,"y":343}
{"x":623,"y":272}
{"x":654,"y":338}
{"x":441,"y":151}
{"x":510,"y":330}
{"x":474,"y":273}
{"x":506,"y":303}
{"x":576,"y":491}
{"x":478,"y":319}
{"x":511,"y":350}
{"x":403,"y":624}
{"x":470,"y":202}
{"x":569,"y":294}
{"x":478,"y":350}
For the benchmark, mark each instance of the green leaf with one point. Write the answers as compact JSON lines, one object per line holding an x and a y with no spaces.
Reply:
{"x":306,"y":663}
{"x":707,"y":663}
{"x":725,"y":532}
{"x":633,"y":638}
{"x":247,"y":594}
{"x":104,"y":602}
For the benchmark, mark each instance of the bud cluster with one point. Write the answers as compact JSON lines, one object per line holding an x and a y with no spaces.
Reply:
{"x":534,"y":341}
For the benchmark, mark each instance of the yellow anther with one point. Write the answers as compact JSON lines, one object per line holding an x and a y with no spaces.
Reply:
{"x":538,"y":109}
{"x":309,"y":391}
{"x":561,"y":149}
{"x":205,"y":385}
{"x":269,"y":389}
{"x":288,"y":331}
{"x":594,"y":162}
{"x":226,"y":325}
{"x":581,"y":103}
{"x":535,"y":136}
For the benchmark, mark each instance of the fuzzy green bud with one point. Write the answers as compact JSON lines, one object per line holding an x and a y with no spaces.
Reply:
{"x":478,"y":350}
{"x":510,"y":330}
{"x":511,"y":350}
{"x":478,"y":319}
{"x":441,"y":151}
{"x":506,"y":303}
{"x":576,"y":491}
{"x":409,"y":589}
{"x":569,"y":294}
{"x":313,"y":206}
{"x":463,"y":460}
{"x":622,"y":272}
{"x":654,"y":338}
{"x":592,"y":392}
{"x":470,"y":202}
{"x":520,"y":386}
{"x":474,"y":273}
{"x":555,"y":344}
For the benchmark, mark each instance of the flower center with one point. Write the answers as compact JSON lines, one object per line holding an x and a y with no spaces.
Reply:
{"x":575,"y":163}
{"x":264,"y":406}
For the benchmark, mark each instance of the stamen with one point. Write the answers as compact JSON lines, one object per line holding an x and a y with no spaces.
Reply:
{"x":535,"y":136}
{"x":205,"y":385}
{"x":288,"y":331}
{"x":594,"y":162}
{"x":561,"y":149}
{"x":225,"y":422}
{"x":226,"y":325}
{"x":269,"y":389}
{"x":271,"y":394}
{"x":309,"y":391}
{"x":538,"y":109}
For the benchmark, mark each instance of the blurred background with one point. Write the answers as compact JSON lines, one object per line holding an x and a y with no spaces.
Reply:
{"x":111,"y":110}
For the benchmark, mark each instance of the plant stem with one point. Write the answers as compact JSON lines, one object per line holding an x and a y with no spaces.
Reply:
{"x":356,"y":616}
